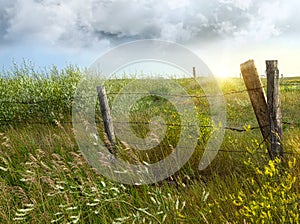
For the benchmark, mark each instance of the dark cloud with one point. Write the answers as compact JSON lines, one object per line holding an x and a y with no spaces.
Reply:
{"x":5,"y":17}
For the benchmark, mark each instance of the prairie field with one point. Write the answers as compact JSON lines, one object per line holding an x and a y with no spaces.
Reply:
{"x":44,"y":177}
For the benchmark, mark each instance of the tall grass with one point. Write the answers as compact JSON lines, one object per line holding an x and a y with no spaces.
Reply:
{"x":28,"y":95}
{"x":44,"y":178}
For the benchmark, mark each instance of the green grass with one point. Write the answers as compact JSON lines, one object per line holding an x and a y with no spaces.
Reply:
{"x":45,"y":179}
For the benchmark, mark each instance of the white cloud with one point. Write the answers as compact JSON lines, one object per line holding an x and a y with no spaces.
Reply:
{"x":175,"y":4}
{"x":92,"y":23}
{"x":243,"y":4}
{"x":34,"y":20}
{"x":268,"y":19}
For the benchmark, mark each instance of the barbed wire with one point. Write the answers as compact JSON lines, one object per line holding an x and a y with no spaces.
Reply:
{"x":251,"y":152}
{"x":194,"y":125}
{"x":34,"y":102}
{"x":55,"y":122}
{"x":184,"y":96}
{"x":289,"y":83}
{"x":236,"y":129}
{"x":71,"y":99}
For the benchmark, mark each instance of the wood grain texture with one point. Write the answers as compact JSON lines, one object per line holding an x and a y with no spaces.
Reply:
{"x":257,"y":97}
{"x":275,"y":118}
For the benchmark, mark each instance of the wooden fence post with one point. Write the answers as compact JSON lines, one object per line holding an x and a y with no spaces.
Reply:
{"x":107,"y":119}
{"x":257,"y":97}
{"x":194,"y":72}
{"x":275,"y":118}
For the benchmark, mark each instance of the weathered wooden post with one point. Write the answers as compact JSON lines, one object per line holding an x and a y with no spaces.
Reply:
{"x":107,"y":119}
{"x":194,"y":72}
{"x":275,"y":118}
{"x":258,"y":98}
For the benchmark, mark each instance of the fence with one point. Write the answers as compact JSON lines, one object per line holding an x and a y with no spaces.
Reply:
{"x":250,"y":90}
{"x":70,"y":100}
{"x":268,"y":113}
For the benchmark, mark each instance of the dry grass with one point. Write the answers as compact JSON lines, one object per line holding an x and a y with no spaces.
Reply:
{"x":45,"y":179}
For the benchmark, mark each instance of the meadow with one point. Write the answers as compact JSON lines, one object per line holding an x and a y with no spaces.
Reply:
{"x":44,"y":177}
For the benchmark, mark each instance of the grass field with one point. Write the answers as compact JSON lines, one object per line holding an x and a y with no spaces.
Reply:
{"x":45,"y":179}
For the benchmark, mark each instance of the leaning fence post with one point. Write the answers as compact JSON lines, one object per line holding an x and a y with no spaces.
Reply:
{"x":194,"y":72}
{"x":257,"y":97}
{"x":107,"y":119}
{"x":275,"y":119}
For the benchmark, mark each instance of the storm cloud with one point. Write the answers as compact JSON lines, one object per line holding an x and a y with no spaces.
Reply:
{"x":84,"y":24}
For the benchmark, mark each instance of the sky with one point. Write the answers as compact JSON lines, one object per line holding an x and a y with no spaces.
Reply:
{"x":223,"y":33}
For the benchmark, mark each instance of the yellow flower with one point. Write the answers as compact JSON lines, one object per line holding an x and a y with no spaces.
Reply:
{"x":268,"y":172}
{"x":180,"y":215}
{"x":272,"y":166}
{"x":258,"y":171}
{"x":292,"y":163}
